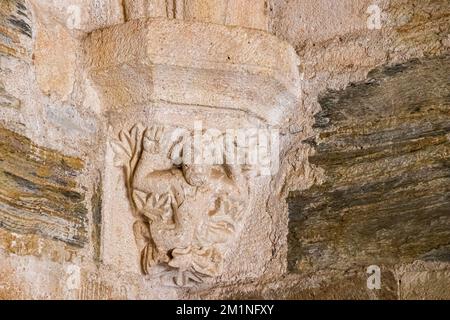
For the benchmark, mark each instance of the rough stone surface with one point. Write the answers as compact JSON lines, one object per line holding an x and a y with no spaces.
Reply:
{"x":74,"y":74}
{"x":177,"y":69}
{"x":55,"y":61}
{"x":417,"y":282}
{"x":39,"y":191}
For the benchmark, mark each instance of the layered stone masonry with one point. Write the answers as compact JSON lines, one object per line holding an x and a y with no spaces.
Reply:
{"x":384,"y":145}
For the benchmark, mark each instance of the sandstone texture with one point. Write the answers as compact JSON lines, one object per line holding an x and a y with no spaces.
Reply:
{"x":346,"y":102}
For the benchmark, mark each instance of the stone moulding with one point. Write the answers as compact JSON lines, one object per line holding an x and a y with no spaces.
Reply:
{"x":193,"y":63}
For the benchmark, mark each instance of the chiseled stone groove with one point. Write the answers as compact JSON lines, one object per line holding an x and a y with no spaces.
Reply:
{"x":38,"y":191}
{"x":385,"y":147}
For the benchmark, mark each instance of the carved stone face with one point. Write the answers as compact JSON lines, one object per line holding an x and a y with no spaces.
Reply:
{"x":196,"y":175}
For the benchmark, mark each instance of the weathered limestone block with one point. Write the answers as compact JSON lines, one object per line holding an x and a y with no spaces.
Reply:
{"x":323,"y":285}
{"x":96,"y":209}
{"x":384,"y":147}
{"x":418,"y":25}
{"x":39,"y":192}
{"x":249,"y":14}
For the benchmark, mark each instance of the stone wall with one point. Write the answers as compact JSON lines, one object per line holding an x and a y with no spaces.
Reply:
{"x":363,"y":117}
